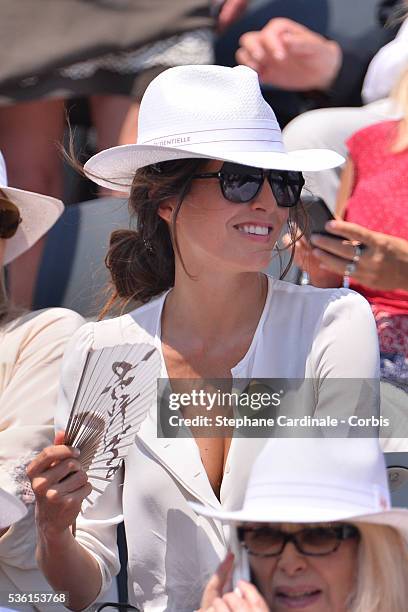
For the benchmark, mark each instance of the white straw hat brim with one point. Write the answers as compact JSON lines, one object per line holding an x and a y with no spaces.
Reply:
{"x":115,"y":167}
{"x":38,"y":213}
{"x":394,"y":517}
{"x":11,"y":509}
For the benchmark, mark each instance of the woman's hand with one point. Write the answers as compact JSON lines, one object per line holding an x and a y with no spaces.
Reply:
{"x":60,"y":486}
{"x":383,"y":263}
{"x":305,"y":259}
{"x":288,"y":55}
{"x":245,"y":598}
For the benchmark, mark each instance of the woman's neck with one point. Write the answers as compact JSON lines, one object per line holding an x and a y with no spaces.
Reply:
{"x":214,"y":307}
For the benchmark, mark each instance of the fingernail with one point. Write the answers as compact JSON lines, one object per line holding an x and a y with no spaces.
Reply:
{"x":76,"y":452}
{"x":238,"y":592}
{"x":331,"y":224}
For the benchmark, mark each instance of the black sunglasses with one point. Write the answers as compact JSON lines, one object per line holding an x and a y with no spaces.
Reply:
{"x":9,"y":218}
{"x":311,"y":541}
{"x":241,"y":184}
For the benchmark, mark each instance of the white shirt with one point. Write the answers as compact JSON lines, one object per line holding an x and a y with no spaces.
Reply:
{"x":386,"y":67}
{"x":302,"y":332}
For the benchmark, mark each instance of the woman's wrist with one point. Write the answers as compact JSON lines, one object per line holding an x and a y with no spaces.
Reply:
{"x":50,"y":537}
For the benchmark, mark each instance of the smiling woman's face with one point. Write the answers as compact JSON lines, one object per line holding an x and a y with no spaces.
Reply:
{"x":215,"y":233}
{"x":293,"y":581}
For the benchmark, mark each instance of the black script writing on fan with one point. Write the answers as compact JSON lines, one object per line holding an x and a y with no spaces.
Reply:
{"x":118,"y":387}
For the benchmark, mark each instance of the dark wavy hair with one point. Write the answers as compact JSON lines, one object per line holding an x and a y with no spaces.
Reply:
{"x":142,"y":261}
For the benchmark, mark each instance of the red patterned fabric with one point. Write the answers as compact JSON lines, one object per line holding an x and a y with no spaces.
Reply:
{"x":379,"y":201}
{"x":392,"y":332}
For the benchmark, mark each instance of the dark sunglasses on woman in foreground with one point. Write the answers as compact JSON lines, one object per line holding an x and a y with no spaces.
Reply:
{"x":313,"y":541}
{"x":9,"y":218}
{"x":241,"y":184}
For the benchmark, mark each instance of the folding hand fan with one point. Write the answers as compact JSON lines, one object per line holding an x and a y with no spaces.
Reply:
{"x":118,"y":386}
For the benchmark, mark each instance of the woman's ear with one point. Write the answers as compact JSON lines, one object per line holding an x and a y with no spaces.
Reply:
{"x":165,"y":210}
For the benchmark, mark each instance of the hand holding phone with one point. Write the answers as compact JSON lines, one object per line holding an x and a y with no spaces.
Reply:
{"x":318,"y":215}
{"x":305,"y":251}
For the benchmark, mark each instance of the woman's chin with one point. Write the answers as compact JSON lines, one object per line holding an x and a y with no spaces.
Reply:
{"x":254,"y":262}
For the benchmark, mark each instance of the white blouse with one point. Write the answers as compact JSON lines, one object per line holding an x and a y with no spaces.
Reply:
{"x":303,"y":332}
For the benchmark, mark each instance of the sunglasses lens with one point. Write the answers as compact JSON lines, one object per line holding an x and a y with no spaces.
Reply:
{"x":240,"y":184}
{"x":318,"y":541}
{"x":286,"y":186}
{"x":9,"y":219}
{"x":263,"y":541}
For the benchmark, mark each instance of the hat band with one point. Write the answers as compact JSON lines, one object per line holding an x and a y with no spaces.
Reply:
{"x":256,"y":136}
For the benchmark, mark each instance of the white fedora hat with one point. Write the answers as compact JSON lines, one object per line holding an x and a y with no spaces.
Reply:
{"x":11,"y":509}
{"x":210,"y":112}
{"x":317,"y":481}
{"x":38,"y":213}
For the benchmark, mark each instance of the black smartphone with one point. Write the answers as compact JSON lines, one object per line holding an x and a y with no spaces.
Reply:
{"x":318,"y":215}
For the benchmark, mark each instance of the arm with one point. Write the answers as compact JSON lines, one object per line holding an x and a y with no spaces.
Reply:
{"x":60,"y":486}
{"x":345,"y":363}
{"x":309,"y":259}
{"x":383,"y":264}
{"x":384,"y":261}
{"x":93,"y":552}
{"x":69,"y":567}
{"x":72,"y":564}
{"x":345,"y":90}
{"x":289,"y":55}
{"x":314,"y":260}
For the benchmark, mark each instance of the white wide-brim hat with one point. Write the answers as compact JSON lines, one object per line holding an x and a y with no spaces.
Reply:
{"x":208,"y":112}
{"x":11,"y":509}
{"x":317,"y":481}
{"x":38,"y":213}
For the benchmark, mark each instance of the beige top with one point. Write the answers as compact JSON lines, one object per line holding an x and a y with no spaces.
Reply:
{"x":31,"y":349}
